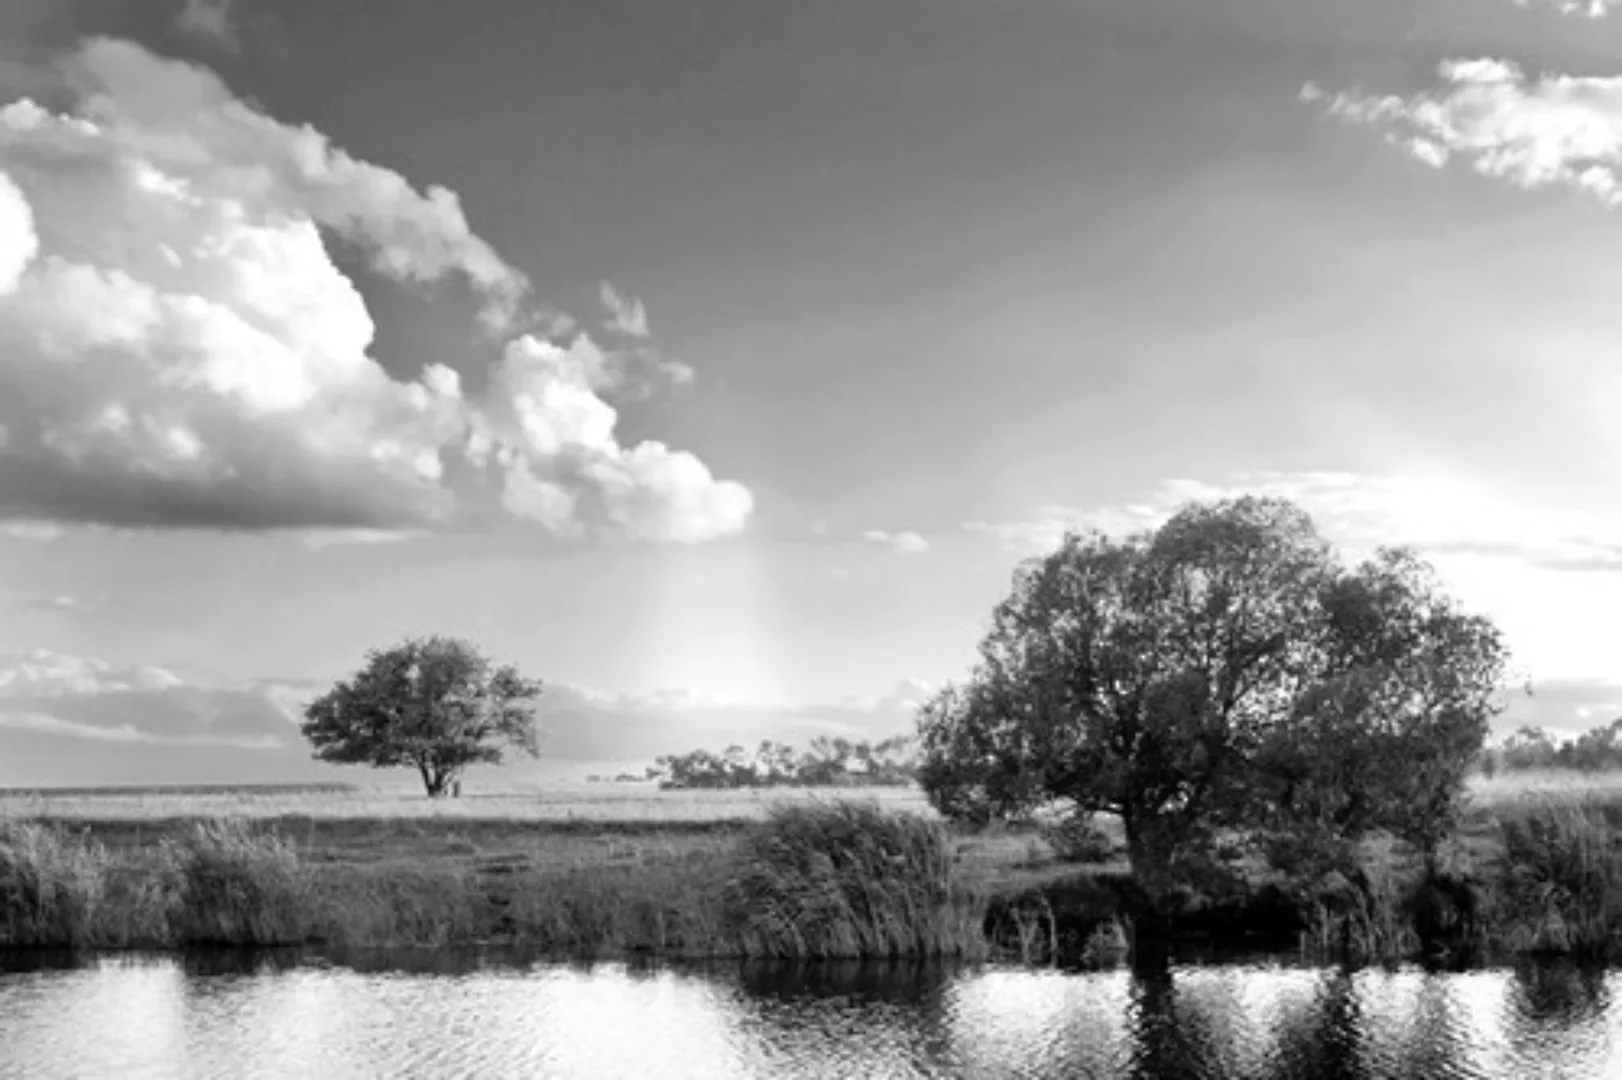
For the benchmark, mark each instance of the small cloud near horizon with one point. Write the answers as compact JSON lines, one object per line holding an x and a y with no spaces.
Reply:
{"x":250,"y":727}
{"x":58,"y":603}
{"x":904,"y":543}
{"x":1437,"y":514}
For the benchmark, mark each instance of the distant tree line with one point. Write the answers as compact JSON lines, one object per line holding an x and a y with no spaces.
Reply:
{"x":1597,"y":750}
{"x":825,"y":763}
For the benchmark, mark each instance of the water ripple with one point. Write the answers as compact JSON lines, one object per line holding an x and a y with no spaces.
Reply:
{"x":162,"y":1018}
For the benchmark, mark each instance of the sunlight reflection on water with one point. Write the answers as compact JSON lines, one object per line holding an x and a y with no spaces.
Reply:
{"x":224,"y":1017}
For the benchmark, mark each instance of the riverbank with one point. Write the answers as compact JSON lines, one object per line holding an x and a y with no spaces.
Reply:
{"x":788,"y":878}
{"x":806,"y":878}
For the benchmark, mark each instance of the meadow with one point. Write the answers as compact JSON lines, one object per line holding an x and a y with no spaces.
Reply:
{"x":560,"y":802}
{"x":615,"y":869}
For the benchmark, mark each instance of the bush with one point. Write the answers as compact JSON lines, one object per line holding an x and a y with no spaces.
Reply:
{"x":849,"y":881}
{"x":1075,"y":839}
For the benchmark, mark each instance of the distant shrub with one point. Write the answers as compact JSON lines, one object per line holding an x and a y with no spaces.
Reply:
{"x":1075,"y":839}
{"x":847,"y":880}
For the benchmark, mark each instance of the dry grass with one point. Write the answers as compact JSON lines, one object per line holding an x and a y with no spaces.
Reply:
{"x":1545,"y":786}
{"x":556,"y":803}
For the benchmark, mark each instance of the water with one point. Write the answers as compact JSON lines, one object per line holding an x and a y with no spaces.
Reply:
{"x":446,"y":1016}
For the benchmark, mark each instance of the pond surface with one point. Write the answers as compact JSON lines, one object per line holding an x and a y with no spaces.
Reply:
{"x":447,"y":1016}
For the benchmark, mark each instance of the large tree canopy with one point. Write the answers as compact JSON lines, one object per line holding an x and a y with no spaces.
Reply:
{"x":435,"y":703}
{"x":1224,"y":670}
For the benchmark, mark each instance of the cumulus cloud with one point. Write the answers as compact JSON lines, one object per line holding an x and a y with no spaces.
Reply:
{"x":210,"y":20}
{"x":97,"y":700}
{"x":1531,"y":132}
{"x":178,"y":348}
{"x":904,"y":543}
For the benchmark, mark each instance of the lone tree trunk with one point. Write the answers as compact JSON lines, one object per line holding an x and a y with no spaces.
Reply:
{"x":439,"y":781}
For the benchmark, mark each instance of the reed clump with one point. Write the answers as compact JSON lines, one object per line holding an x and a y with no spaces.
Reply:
{"x":51,"y":887}
{"x":1560,"y":879}
{"x":219,"y":883}
{"x":846,"y":880}
{"x":234,"y":885}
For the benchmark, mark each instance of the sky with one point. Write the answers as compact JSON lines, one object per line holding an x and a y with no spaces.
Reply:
{"x":716,"y":363}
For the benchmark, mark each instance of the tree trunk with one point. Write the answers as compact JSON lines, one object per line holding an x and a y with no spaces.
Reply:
{"x":434,"y":780}
{"x":1148,"y":847}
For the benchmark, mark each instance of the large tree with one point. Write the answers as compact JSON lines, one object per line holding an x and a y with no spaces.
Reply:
{"x":434,"y":703}
{"x":1176,"y":677}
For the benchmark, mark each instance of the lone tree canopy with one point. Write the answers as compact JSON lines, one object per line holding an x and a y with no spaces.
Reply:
{"x":435,"y":703}
{"x":1221,"y":672}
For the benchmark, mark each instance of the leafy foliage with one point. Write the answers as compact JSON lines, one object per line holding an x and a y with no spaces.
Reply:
{"x":1075,"y":839}
{"x":1385,"y":736}
{"x":435,"y":703}
{"x":1221,"y":672}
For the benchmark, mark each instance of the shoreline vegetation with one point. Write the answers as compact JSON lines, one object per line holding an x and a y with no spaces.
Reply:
{"x":810,"y":875}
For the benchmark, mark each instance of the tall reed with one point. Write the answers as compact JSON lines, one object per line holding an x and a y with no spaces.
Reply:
{"x":848,"y":880}
{"x":1560,"y":878}
{"x":237,"y":886}
{"x":51,"y":886}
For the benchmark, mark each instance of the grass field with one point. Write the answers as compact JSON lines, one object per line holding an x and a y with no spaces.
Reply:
{"x":559,"y":802}
{"x":1550,"y":785}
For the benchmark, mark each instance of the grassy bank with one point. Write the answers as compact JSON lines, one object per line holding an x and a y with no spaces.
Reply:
{"x":807,"y":879}
{"x":786,"y":877}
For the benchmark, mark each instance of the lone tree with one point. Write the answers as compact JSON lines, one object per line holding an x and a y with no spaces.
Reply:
{"x":436,"y":703}
{"x":1221,"y":672}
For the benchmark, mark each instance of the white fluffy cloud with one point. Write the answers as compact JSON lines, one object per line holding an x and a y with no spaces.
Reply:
{"x":905,"y":543}
{"x":177,"y":346}
{"x":1532,"y":132}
